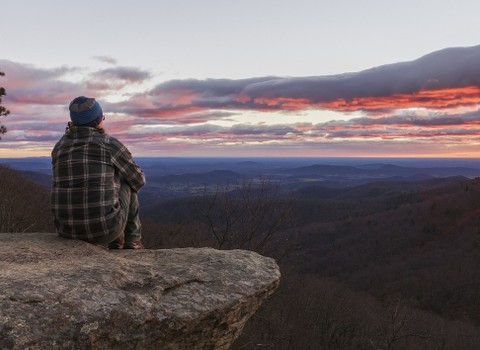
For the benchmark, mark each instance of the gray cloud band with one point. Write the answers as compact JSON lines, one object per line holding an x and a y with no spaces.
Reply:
{"x":448,"y":68}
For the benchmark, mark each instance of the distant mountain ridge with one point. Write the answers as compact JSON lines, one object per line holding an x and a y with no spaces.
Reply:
{"x":382,"y":170}
{"x":177,"y":177}
{"x":375,"y":189}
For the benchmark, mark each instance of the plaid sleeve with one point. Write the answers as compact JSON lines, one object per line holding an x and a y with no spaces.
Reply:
{"x":125,"y":165}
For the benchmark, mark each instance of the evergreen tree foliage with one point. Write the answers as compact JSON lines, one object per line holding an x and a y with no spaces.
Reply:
{"x":3,"y":111}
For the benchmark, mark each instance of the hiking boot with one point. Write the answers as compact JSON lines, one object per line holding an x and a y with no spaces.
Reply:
{"x":133,"y":245}
{"x":117,"y":244}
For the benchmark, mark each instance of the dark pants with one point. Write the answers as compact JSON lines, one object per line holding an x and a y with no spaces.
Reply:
{"x":129,"y":226}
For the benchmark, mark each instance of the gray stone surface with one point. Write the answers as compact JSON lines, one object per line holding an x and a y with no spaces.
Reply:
{"x":64,"y":294}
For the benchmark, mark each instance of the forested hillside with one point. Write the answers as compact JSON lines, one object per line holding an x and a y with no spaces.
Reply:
{"x":377,"y":266}
{"x":24,"y":205}
{"x":421,"y":246}
{"x":385,"y":265}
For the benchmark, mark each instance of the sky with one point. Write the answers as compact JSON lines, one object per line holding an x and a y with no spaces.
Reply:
{"x":252,"y":78}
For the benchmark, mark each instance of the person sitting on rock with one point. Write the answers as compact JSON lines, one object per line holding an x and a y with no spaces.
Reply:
{"x":95,"y":182}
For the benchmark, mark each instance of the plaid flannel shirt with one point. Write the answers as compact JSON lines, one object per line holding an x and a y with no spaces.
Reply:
{"x":88,"y":167}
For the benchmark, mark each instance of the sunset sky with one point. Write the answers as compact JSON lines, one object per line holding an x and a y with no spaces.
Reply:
{"x":247,"y":78}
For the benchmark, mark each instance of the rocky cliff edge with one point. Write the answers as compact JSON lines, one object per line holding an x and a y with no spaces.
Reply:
{"x":65,"y":294}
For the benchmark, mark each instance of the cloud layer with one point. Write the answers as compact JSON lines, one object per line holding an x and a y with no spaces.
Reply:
{"x":430,"y":104}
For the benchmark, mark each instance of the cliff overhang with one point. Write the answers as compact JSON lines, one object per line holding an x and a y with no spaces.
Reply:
{"x":57,"y":293}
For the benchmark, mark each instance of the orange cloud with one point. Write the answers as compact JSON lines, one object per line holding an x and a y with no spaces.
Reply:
{"x":432,"y":99}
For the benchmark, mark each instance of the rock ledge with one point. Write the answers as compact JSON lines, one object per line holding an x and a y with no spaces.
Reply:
{"x":64,"y":294}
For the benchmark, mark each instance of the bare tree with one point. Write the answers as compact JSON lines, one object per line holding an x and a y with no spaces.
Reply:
{"x":399,"y":328}
{"x":248,"y":216}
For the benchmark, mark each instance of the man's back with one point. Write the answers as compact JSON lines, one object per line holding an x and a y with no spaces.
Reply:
{"x":95,"y":181}
{"x":84,"y":185}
